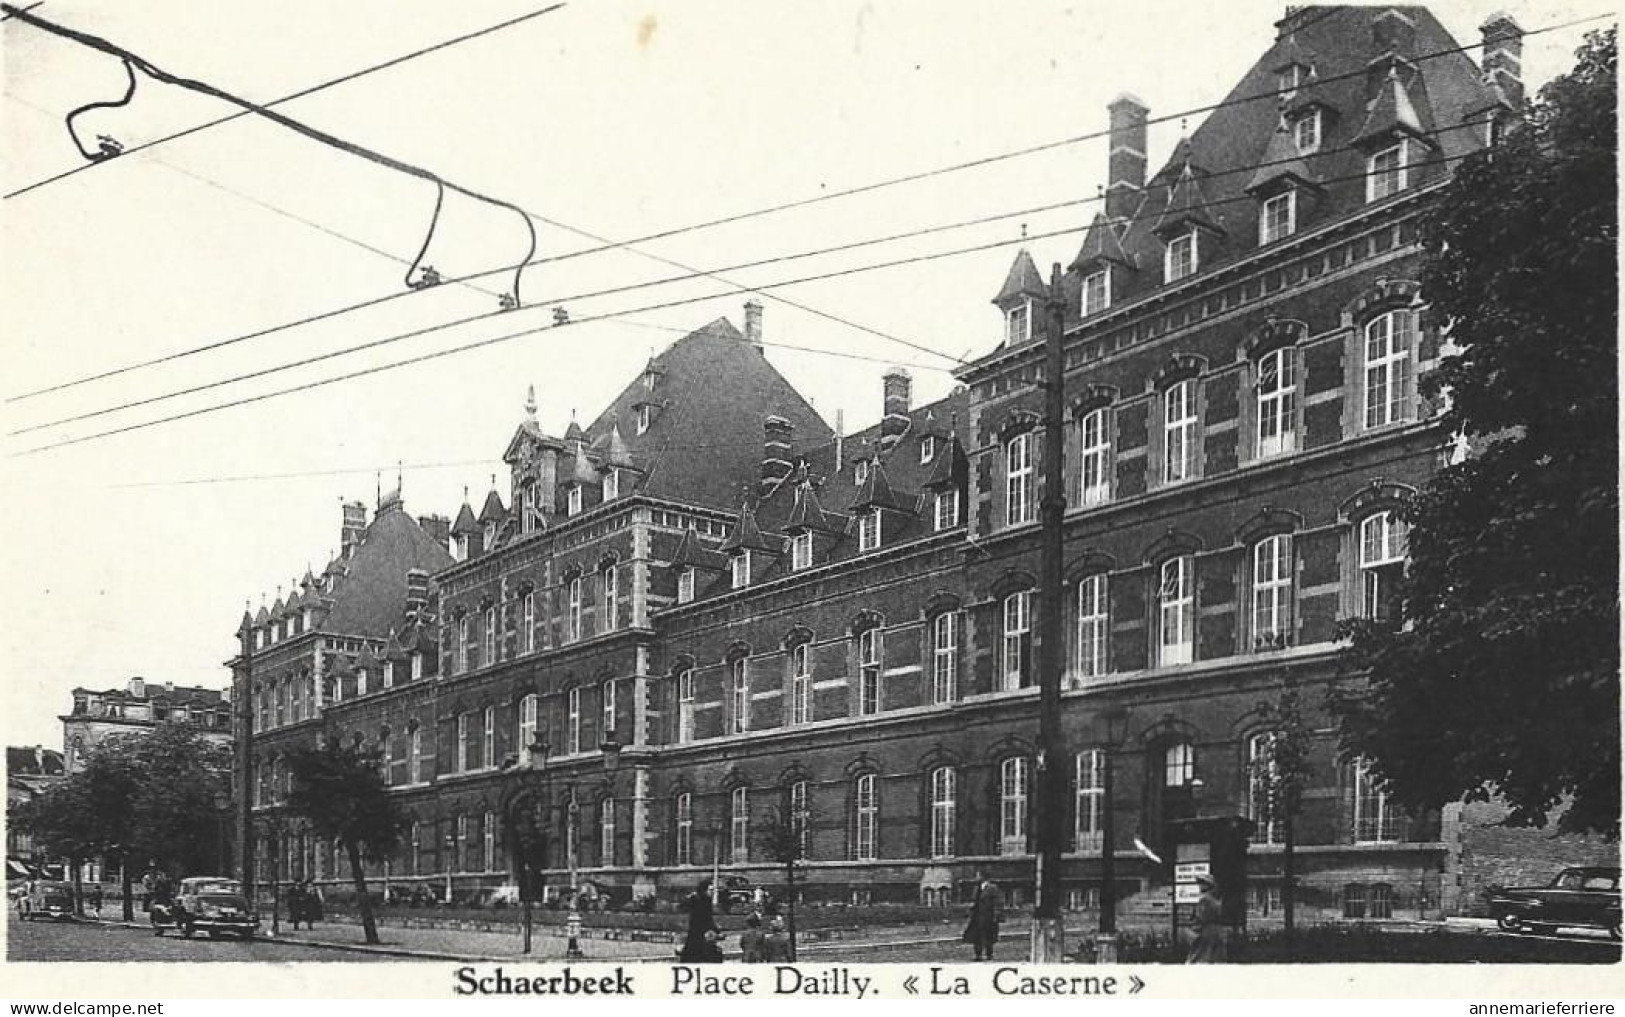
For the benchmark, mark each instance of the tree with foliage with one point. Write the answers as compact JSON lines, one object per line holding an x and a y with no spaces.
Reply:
{"x":1500,"y":675}
{"x":1278,"y":774}
{"x":784,"y":838}
{"x":339,"y":790}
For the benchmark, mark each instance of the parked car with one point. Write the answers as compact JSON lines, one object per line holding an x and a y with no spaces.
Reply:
{"x":46,"y":899}
{"x":211,"y":904}
{"x":1584,"y":897}
{"x":736,"y":893}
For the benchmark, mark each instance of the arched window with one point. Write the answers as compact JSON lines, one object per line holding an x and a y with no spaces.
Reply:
{"x":1013,"y":774}
{"x":739,"y":694}
{"x":1277,"y":403}
{"x":1094,"y":630}
{"x":871,"y":654}
{"x":944,"y":658}
{"x":800,"y":685}
{"x":683,"y":808}
{"x":1095,"y":464}
{"x":1016,"y":648}
{"x":529,"y":718}
{"x":1272,"y":592}
{"x":1389,"y":339}
{"x":1178,"y":765}
{"x":1374,"y":818}
{"x":1383,"y":540}
{"x":1262,"y":776}
{"x":866,"y":818}
{"x":1020,"y":505}
{"x":1176,"y":611}
{"x":942,"y":812}
{"x":574,"y":729}
{"x":800,"y":813}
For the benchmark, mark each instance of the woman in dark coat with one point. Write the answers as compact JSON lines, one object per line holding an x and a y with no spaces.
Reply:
{"x":1212,"y":944}
{"x":700,"y":946}
{"x":986,"y":914}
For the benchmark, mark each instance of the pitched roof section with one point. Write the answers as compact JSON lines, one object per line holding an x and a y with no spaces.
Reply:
{"x":1101,"y":244}
{"x":951,"y":467}
{"x":493,"y":511}
{"x":1187,"y":206}
{"x":692,"y":553}
{"x":1281,"y":162}
{"x":747,"y":535}
{"x":370,"y":599}
{"x":1023,"y":280}
{"x":807,"y":513}
{"x":876,"y":491}
{"x":1391,"y":111}
{"x":466,"y":523}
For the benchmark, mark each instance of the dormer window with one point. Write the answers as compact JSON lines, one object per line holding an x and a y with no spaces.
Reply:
{"x":685,"y":586}
{"x":801,"y":550}
{"x":947,"y":509}
{"x":869,"y":530}
{"x":361,"y":681}
{"x":573,"y":500}
{"x":1386,"y":172}
{"x":1179,"y":260}
{"x":389,"y":674}
{"x":1306,"y":132}
{"x":490,"y":535}
{"x":928,"y":448}
{"x":860,"y":471}
{"x":1018,"y":324}
{"x":1097,"y":292}
{"x":417,"y":667}
{"x":1289,"y":79}
{"x":1278,"y":217}
{"x":612,"y":485}
{"x":646,"y":411}
{"x":741,"y":570}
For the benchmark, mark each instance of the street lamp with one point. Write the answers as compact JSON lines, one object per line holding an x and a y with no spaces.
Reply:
{"x":451,"y":851}
{"x":1116,"y":720}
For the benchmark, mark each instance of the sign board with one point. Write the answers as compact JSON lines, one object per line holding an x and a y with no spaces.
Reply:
{"x":1186,"y":889}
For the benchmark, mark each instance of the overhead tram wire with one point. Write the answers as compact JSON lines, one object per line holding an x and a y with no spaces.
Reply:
{"x":687,"y":277}
{"x":610,"y":315}
{"x":324,"y":315}
{"x":11,"y":12}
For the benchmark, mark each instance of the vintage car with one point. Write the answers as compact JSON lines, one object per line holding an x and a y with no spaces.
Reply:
{"x":211,"y":904}
{"x":1578,"y":897}
{"x":46,"y":899}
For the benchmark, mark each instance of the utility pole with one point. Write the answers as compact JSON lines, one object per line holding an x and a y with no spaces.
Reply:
{"x":1048,"y":944}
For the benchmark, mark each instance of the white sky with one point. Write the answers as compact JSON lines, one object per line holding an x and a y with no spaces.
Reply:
{"x":618,"y":118}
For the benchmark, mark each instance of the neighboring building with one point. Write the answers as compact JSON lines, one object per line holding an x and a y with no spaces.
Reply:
{"x":138,"y":708}
{"x":755,"y":618}
{"x":29,"y":771}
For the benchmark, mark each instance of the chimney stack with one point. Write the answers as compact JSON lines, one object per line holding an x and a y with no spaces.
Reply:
{"x":1125,"y":161}
{"x":753,"y":322}
{"x":138,"y":688}
{"x":1393,"y":31}
{"x":437,"y":527}
{"x":355,"y":525}
{"x":417,"y":592}
{"x":776,"y":433}
{"x":1503,"y":56}
{"x":896,"y":388}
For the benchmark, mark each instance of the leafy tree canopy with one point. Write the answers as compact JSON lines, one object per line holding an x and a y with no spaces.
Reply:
{"x":339,"y":789}
{"x":1500,"y":675}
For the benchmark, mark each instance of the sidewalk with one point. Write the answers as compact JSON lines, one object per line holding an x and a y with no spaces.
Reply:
{"x":466,"y":945}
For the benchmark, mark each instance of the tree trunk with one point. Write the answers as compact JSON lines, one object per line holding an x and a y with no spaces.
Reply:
{"x":1288,"y":873}
{"x":78,"y":887}
{"x":790,"y":882}
{"x":129,"y":889}
{"x":358,"y":876}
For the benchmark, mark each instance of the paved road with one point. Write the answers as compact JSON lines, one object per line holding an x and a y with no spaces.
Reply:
{"x":86,"y":941}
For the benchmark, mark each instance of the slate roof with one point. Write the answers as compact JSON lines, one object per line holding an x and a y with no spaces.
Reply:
{"x":1100,"y":244}
{"x":1023,"y":280}
{"x":370,"y":599}
{"x":1349,"y":66}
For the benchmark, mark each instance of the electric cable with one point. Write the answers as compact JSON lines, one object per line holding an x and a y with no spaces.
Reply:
{"x":108,"y":147}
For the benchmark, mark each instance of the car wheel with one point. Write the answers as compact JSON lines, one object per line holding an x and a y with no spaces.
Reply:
{"x":1509,"y":922}
{"x":188,"y":929}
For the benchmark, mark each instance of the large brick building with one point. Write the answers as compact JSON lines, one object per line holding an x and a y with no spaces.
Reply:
{"x":705,"y":613}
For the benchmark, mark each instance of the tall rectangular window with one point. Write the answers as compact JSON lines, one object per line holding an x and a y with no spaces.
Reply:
{"x":608,"y":704}
{"x":489,"y":654}
{"x":685,"y":707}
{"x":1261,"y":787}
{"x":801,"y":818}
{"x":684,"y":848}
{"x":739,"y":688}
{"x":866,"y":818}
{"x":1278,"y":217}
{"x":612,"y":484}
{"x":1094,"y":634}
{"x":460,"y":859}
{"x":800,"y":685}
{"x":1272,"y":591}
{"x":1179,"y":259}
{"x":529,"y":622}
{"x":1095,"y":461}
{"x":1387,"y":172}
{"x":1019,"y":480}
{"x":1178,"y":765}
{"x":1383,"y":537}
{"x":488,"y":744}
{"x":1388,"y":339}
{"x":575,"y":719}
{"x":572,"y":500}
{"x":645,"y":416}
{"x":462,"y":743}
{"x":739,"y":825}
{"x":869,"y":530}
{"x":1017,"y":645}
{"x":942,"y":812}
{"x":606,"y":832}
{"x":1176,"y":609}
{"x":414,"y":756}
{"x":928,"y":448}
{"x":1374,"y":818}
{"x":871,"y":643}
{"x":462,"y":644}
{"x":1089,"y":778}
{"x":529,"y":708}
{"x":488,"y":842}
{"x":1277,"y":404}
{"x":685,"y":586}
{"x":741,"y":570}
{"x":609,"y":585}
{"x":575,"y":608}
{"x":947,"y":509}
{"x":945,"y":658}
{"x":1097,"y":292}
{"x":1018,"y":325}
{"x":1179,"y":432}
{"x":801,"y":550}
{"x":1013,"y":806}
{"x":1306,"y":132}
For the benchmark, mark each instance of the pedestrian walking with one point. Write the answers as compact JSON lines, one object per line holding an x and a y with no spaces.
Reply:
{"x":96,"y":899}
{"x":296,"y":903}
{"x":1212,"y":945}
{"x":700,"y":945}
{"x":753,"y":941}
{"x":776,"y":945}
{"x":986,"y":915}
{"x":315,"y":905}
